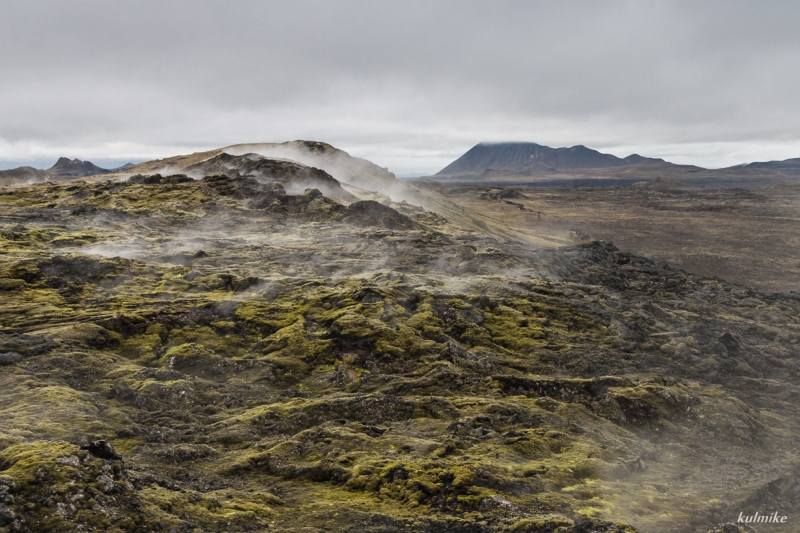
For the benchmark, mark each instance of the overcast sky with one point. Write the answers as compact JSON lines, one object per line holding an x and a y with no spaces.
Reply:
{"x":409,"y":85}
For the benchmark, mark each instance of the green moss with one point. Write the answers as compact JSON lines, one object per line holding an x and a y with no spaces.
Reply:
{"x":191,"y":357}
{"x":426,"y":321}
{"x":292,"y":349}
{"x":142,"y":347}
{"x":21,"y":462}
{"x":52,"y":412}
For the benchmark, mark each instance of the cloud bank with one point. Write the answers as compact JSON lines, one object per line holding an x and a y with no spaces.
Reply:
{"x":410,"y":85}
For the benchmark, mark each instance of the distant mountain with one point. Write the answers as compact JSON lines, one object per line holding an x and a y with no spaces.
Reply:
{"x":74,"y":168}
{"x":64,"y":169}
{"x":636,"y":159}
{"x":527,"y":157}
{"x":20,"y":175}
{"x":787,"y":165}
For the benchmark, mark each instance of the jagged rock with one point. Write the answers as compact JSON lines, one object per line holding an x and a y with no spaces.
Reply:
{"x":102,"y":449}
{"x":9,"y":358}
{"x":158,"y":179}
{"x":372,"y":213}
{"x":25,"y":344}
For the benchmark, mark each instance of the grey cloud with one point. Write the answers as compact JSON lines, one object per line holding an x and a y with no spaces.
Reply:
{"x":410,"y":84}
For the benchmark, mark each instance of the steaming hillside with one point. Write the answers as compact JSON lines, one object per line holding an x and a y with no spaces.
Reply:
{"x":294,"y":177}
{"x":21,"y":175}
{"x":526,"y":157}
{"x":358,"y":179}
{"x":339,"y":164}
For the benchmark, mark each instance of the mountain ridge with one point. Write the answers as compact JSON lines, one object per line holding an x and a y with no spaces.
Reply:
{"x":75,"y":168}
{"x":506,"y":159}
{"x":63,"y":169}
{"x":792,"y":164}
{"x":536,"y":158}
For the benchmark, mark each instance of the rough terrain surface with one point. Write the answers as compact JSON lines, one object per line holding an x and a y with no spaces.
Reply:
{"x":224,"y":354}
{"x":745,"y":235}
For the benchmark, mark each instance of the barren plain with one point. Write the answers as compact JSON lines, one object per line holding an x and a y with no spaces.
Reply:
{"x":748,"y":235}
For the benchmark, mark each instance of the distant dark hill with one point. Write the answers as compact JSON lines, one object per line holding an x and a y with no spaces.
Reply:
{"x":20,"y":175}
{"x":636,"y":159}
{"x":74,"y":168}
{"x":527,"y":157}
{"x":64,"y":169}
{"x":788,"y":165}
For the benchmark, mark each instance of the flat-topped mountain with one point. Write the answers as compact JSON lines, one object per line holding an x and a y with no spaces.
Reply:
{"x":528,"y":157}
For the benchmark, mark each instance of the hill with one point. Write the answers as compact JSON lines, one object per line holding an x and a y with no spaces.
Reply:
{"x":787,"y":165}
{"x":20,"y":175}
{"x":532,"y":158}
{"x":64,"y":169}
{"x":75,"y":168}
{"x":345,"y":168}
{"x":358,"y":177}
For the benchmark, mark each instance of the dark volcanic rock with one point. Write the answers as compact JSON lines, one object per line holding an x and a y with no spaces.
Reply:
{"x":158,"y":179}
{"x":102,"y":449}
{"x":9,"y":358}
{"x":291,"y":175}
{"x":25,"y":345}
{"x":371,"y":213}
